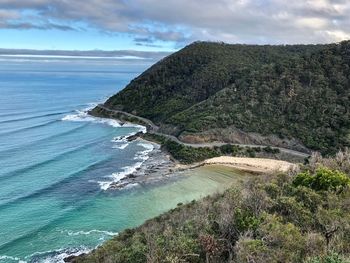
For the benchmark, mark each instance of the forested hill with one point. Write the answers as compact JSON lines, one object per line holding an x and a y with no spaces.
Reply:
{"x":296,"y":92}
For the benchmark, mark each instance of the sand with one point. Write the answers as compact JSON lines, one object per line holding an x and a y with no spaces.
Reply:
{"x":252,"y":164}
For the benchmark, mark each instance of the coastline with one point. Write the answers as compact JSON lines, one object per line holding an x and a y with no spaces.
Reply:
{"x":157,"y":166}
{"x":244,"y":164}
{"x":160,"y":165}
{"x":256,"y":165}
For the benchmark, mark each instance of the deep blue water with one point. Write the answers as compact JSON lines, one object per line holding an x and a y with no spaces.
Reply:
{"x":55,"y":161}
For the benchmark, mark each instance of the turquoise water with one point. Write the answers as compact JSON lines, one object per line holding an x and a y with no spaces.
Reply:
{"x":55,"y":161}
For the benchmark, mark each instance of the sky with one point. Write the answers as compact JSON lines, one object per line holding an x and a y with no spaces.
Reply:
{"x":167,"y":25}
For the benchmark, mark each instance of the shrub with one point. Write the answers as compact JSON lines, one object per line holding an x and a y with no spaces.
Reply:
{"x":271,"y":150}
{"x":332,"y":258}
{"x":251,"y":250}
{"x":324,"y":179}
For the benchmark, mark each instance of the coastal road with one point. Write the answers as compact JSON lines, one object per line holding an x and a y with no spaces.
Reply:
{"x":150,"y":124}
{"x":213,"y":144}
{"x":153,"y":129}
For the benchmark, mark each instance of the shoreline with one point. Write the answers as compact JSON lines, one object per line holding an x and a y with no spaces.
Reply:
{"x":256,"y":165}
{"x":125,"y":117}
{"x":160,"y":165}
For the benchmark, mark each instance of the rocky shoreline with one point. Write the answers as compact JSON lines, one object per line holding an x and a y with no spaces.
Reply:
{"x":158,"y":166}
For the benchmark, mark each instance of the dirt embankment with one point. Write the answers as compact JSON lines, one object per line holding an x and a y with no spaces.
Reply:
{"x":236,"y":136}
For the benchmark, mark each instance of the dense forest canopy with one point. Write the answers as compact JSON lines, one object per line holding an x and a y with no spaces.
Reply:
{"x":293,"y":91}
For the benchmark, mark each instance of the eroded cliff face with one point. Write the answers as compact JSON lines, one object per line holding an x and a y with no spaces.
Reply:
{"x":237,"y":136}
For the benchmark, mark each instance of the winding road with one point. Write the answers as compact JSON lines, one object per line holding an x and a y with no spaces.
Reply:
{"x":153,"y":129}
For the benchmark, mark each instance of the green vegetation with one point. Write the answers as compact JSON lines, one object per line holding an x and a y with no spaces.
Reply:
{"x":298,"y":91}
{"x":187,"y":154}
{"x":332,"y":258}
{"x":272,"y":218}
{"x":324,"y":179}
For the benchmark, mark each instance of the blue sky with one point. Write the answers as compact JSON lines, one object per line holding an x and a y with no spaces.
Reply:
{"x":159,"y":25}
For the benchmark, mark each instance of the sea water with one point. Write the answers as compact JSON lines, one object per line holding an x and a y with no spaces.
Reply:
{"x":56,"y":162}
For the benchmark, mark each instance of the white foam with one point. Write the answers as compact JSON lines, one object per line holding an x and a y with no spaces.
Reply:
{"x":104,"y":185}
{"x":141,"y":128}
{"x":16,"y":259}
{"x":147,"y":146}
{"x":122,"y":147}
{"x":60,"y":254}
{"x":117,"y":177}
{"x":143,"y":155}
{"x":83,"y":116}
{"x":108,"y":233}
{"x":127,"y":170}
{"x":120,"y":139}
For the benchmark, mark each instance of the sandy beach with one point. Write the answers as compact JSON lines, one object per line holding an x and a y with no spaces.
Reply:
{"x":159,"y":165}
{"x":260,"y":165}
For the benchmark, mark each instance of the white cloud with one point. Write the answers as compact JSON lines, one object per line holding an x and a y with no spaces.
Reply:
{"x":182,"y":21}
{"x":312,"y":22}
{"x":335,"y":36}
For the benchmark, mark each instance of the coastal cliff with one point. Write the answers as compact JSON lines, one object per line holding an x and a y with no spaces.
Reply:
{"x":295,"y":96}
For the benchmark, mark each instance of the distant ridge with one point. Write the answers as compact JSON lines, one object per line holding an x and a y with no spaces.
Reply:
{"x":295,"y":96}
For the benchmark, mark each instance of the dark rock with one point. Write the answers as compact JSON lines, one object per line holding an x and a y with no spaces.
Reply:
{"x":117,"y":186}
{"x":72,"y":257}
{"x":134,"y":137}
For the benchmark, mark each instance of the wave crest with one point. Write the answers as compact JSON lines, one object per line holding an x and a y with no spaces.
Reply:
{"x":141,"y":156}
{"x":117,"y":177}
{"x":9,"y":258}
{"x":57,"y":256}
{"x":94,"y":231}
{"x":81,"y":116}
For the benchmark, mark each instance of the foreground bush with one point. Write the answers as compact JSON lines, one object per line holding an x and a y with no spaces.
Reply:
{"x":332,"y":258}
{"x":272,"y":218}
{"x":324,"y":179}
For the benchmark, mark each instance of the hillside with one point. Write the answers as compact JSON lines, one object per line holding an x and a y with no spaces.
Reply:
{"x":296,"y":217}
{"x":294,"y":96}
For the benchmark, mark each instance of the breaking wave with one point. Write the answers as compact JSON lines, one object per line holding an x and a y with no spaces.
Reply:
{"x":94,"y":231}
{"x":57,"y":256}
{"x":84,"y":116}
{"x":141,"y":157}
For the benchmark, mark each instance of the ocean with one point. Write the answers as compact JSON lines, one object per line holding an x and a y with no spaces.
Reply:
{"x":56,"y":162}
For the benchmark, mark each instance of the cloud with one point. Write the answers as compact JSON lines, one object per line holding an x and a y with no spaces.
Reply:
{"x":45,"y":26}
{"x":8,"y":14}
{"x":183,"y":21}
